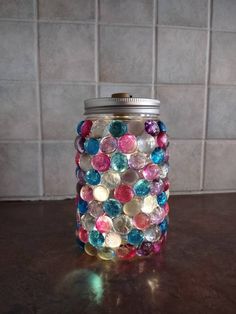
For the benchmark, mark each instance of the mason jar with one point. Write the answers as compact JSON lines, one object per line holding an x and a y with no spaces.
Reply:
{"x":122,"y":172}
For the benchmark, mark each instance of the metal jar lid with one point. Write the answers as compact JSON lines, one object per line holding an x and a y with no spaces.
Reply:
{"x":121,"y":103}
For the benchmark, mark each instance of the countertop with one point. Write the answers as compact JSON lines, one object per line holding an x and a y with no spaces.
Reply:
{"x":42,"y":270}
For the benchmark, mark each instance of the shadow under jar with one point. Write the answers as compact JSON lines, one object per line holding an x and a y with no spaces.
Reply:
{"x":122,"y":171}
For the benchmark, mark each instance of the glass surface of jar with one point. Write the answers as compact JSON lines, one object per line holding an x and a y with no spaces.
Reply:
{"x":122,"y":170}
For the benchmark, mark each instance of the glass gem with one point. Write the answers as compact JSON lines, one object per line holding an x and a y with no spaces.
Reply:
{"x":149,"y":204}
{"x":157,"y":215}
{"x":158,"y":155}
{"x":78,"y":188}
{"x":79,"y":143}
{"x":82,"y":206}
{"x":162,"y":140}
{"x":126,"y":251}
{"x":92,"y":177}
{"x":95,"y":209}
{"x":122,"y":224}
{"x":79,"y":127}
{"x":85,"y":162}
{"x":145,"y":249}
{"x":166,"y":208}
{"x":77,"y":158}
{"x":152,"y":233}
{"x":96,"y":239}
{"x":164,"y":225}
{"x":127,"y":143}
{"x":86,"y":127}
{"x":162,"y":126}
{"x":164,"y":169}
{"x":108,"y":144}
{"x":137,"y":161}
{"x":157,"y":247}
{"x":135,"y":237}
{"x":91,"y":146}
{"x":90,"y":250}
{"x":167,"y":194}
{"x":80,"y":175}
{"x":112,"y":207}
{"x":111,"y":179}
{"x":83,"y":234}
{"x":162,"y":198}
{"x":151,"y":127}
{"x":151,"y":172}
{"x":99,"y":128}
{"x":133,"y":207}
{"x":117,"y":128}
{"x":130,"y":176}
{"x":100,"y":193}
{"x":88,"y":222}
{"x":146,"y":143}
{"x":104,"y":224}
{"x":86,"y":193}
{"x":113,"y":240}
{"x":157,"y":187}
{"x":166,"y":184}
{"x":119,"y":162}
{"x":141,"y":221}
{"x":142,"y":187}
{"x":106,"y":253}
{"x":80,"y":244}
{"x":101,"y":162}
{"x":124,"y":193}
{"x":136,"y":127}
{"x":167,"y":156}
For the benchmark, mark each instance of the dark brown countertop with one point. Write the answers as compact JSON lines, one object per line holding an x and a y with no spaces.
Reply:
{"x":42,"y":271}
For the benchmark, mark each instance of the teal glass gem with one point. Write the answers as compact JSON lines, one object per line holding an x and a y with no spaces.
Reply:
{"x":112,"y":207}
{"x":162,"y":199}
{"x":92,"y":177}
{"x":119,"y":162}
{"x":80,"y":244}
{"x":135,"y":237}
{"x":96,"y":238}
{"x":158,"y":156}
{"x":117,"y":128}
{"x":142,"y":187}
{"x":91,"y":146}
{"x":82,"y":206}
{"x":162,"y":126}
{"x":79,"y":126}
{"x":164,"y":225}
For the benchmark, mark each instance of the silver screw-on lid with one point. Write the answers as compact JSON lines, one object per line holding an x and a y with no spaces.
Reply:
{"x":121,"y":103}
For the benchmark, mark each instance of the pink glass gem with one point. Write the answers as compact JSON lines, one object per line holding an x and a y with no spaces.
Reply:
{"x":101,"y":162}
{"x":104,"y":224}
{"x":108,"y":144}
{"x":83,"y":235}
{"x":126,"y":251}
{"x":157,"y":247}
{"x":157,"y":216}
{"x":167,"y":156}
{"x":77,"y":158}
{"x":166,"y":208}
{"x":162,"y":140}
{"x":157,"y":187}
{"x":151,"y":172}
{"x":137,"y":161}
{"x":86,"y":128}
{"x":124,"y":193}
{"x":166,"y":184}
{"x":86,"y":193}
{"x":141,"y":221}
{"x":127,"y":143}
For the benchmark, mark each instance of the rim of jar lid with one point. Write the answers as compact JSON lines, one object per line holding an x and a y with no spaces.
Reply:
{"x":122,"y":105}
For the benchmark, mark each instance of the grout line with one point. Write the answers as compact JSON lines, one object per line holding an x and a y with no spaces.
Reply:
{"x":154,"y":45}
{"x":96,"y":51}
{"x":206,"y":98}
{"x":37,"y":69}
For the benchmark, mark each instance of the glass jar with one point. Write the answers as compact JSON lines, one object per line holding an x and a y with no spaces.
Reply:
{"x":122,"y":171}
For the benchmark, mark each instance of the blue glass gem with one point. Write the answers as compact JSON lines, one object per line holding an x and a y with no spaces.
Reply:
{"x":162,"y":199}
{"x":117,"y":128}
{"x":158,"y":155}
{"x":119,"y":162}
{"x":96,"y":239}
{"x":135,"y":237}
{"x":82,"y":206}
{"x":91,"y":146}
{"x":164,"y":225}
{"x":162,"y":126}
{"x":80,"y":244}
{"x":112,"y":207}
{"x":142,"y":187}
{"x":92,"y":177}
{"x":79,"y":126}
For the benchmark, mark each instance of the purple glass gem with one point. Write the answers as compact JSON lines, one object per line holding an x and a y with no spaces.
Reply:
{"x":79,"y":143}
{"x":167,"y":156}
{"x":80,"y":174}
{"x":145,"y":249}
{"x":152,"y":127}
{"x":157,"y":187}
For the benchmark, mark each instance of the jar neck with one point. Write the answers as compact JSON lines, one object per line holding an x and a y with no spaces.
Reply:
{"x":122,"y":117}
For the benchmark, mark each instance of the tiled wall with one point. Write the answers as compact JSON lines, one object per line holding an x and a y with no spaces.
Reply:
{"x":54,"y":54}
